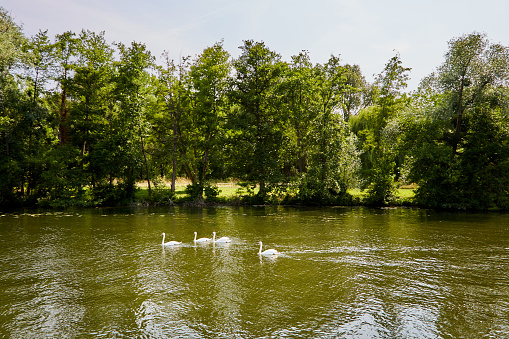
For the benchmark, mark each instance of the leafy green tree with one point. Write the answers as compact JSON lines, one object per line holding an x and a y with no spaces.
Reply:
{"x":89,"y":89}
{"x":379,"y":146}
{"x":353,"y":94}
{"x":333,"y":158}
{"x":25,"y":122}
{"x":63,"y":179}
{"x":484,"y":180}
{"x":209,"y":77}
{"x":173,"y":100}
{"x":472,"y":67}
{"x":65,"y":50}
{"x":297,"y":94}
{"x":133,"y":91}
{"x":40,"y":64}
{"x":331,"y":87}
{"x":11,"y":41}
{"x":11,"y":57}
{"x":258,"y":136}
{"x":463,"y":161}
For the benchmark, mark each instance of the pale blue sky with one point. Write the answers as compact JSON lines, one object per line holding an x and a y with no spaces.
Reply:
{"x":363,"y":32}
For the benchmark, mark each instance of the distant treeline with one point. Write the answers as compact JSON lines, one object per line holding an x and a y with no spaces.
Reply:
{"x":81,"y":121}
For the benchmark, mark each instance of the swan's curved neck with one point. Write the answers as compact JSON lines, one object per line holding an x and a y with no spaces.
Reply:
{"x":213,"y":237}
{"x":260,"y":251}
{"x":195,"y":236}
{"x":164,"y":235}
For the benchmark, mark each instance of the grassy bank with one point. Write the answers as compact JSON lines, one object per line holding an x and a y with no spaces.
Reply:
{"x":232,"y":191}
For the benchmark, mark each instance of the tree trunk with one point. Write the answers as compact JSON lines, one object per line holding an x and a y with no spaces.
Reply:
{"x":174,"y":160}
{"x":299,"y":146}
{"x":6,"y":133}
{"x":64,"y":114}
{"x":146,"y":166}
{"x":262,"y":190}
{"x":459,"y":118}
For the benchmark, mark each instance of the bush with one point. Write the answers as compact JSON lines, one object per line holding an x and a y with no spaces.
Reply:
{"x":110,"y":195}
{"x":161,"y":195}
{"x":197,"y":191}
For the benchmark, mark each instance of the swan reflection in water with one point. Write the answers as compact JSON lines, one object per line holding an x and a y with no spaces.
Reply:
{"x":171,"y":250}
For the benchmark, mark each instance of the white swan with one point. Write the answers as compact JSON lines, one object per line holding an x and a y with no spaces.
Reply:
{"x":170,"y":243}
{"x":267,"y":252}
{"x":201,"y":239}
{"x":222,"y":239}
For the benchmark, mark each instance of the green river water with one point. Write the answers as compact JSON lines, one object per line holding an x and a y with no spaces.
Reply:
{"x":342,"y":273}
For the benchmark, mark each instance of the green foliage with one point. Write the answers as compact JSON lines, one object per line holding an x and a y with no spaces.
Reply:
{"x":463,"y":161}
{"x":39,"y":65}
{"x":209,"y":77}
{"x":484,"y":179}
{"x":196,"y":191}
{"x":62,"y":181}
{"x":295,"y":94}
{"x":476,"y":178}
{"x":378,"y":140}
{"x":171,"y":121}
{"x":314,"y":191}
{"x":11,"y":43}
{"x":11,"y":110}
{"x":81,"y":121}
{"x":110,"y":195}
{"x":161,"y":195}
{"x":211,"y":192}
{"x":382,"y":186}
{"x":258,"y":135}
{"x":246,"y":188}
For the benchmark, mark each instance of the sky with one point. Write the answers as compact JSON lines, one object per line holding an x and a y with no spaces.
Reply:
{"x":363,"y":32}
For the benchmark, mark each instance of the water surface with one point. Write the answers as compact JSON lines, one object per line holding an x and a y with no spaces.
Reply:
{"x":343,"y":273}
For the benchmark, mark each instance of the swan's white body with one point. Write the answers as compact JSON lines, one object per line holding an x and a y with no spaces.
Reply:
{"x":222,"y":239}
{"x":267,"y":252}
{"x":201,"y":239}
{"x":170,"y":243}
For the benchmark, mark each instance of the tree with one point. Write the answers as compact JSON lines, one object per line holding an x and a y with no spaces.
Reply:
{"x":173,"y":100}
{"x":331,"y":87}
{"x":209,"y":76}
{"x":353,"y":96}
{"x":11,"y":43}
{"x":40,"y":64}
{"x":65,"y":50}
{"x":258,"y":136}
{"x":297,"y":93}
{"x":25,"y":123}
{"x":38,"y":71}
{"x":90,"y":89}
{"x":333,"y":159}
{"x":133,"y":91}
{"x":463,"y":161}
{"x":11,"y":58}
{"x":472,"y":66}
{"x":379,"y":159}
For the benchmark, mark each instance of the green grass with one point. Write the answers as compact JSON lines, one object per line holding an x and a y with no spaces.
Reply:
{"x":357,"y":193}
{"x":231,"y":190}
{"x":406,"y":193}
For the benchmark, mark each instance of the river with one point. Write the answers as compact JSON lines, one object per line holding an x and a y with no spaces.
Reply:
{"x":342,"y":273}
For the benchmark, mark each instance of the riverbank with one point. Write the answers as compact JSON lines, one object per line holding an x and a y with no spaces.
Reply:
{"x":236,"y":193}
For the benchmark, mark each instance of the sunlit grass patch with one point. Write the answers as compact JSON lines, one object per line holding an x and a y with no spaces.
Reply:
{"x":233,"y":190}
